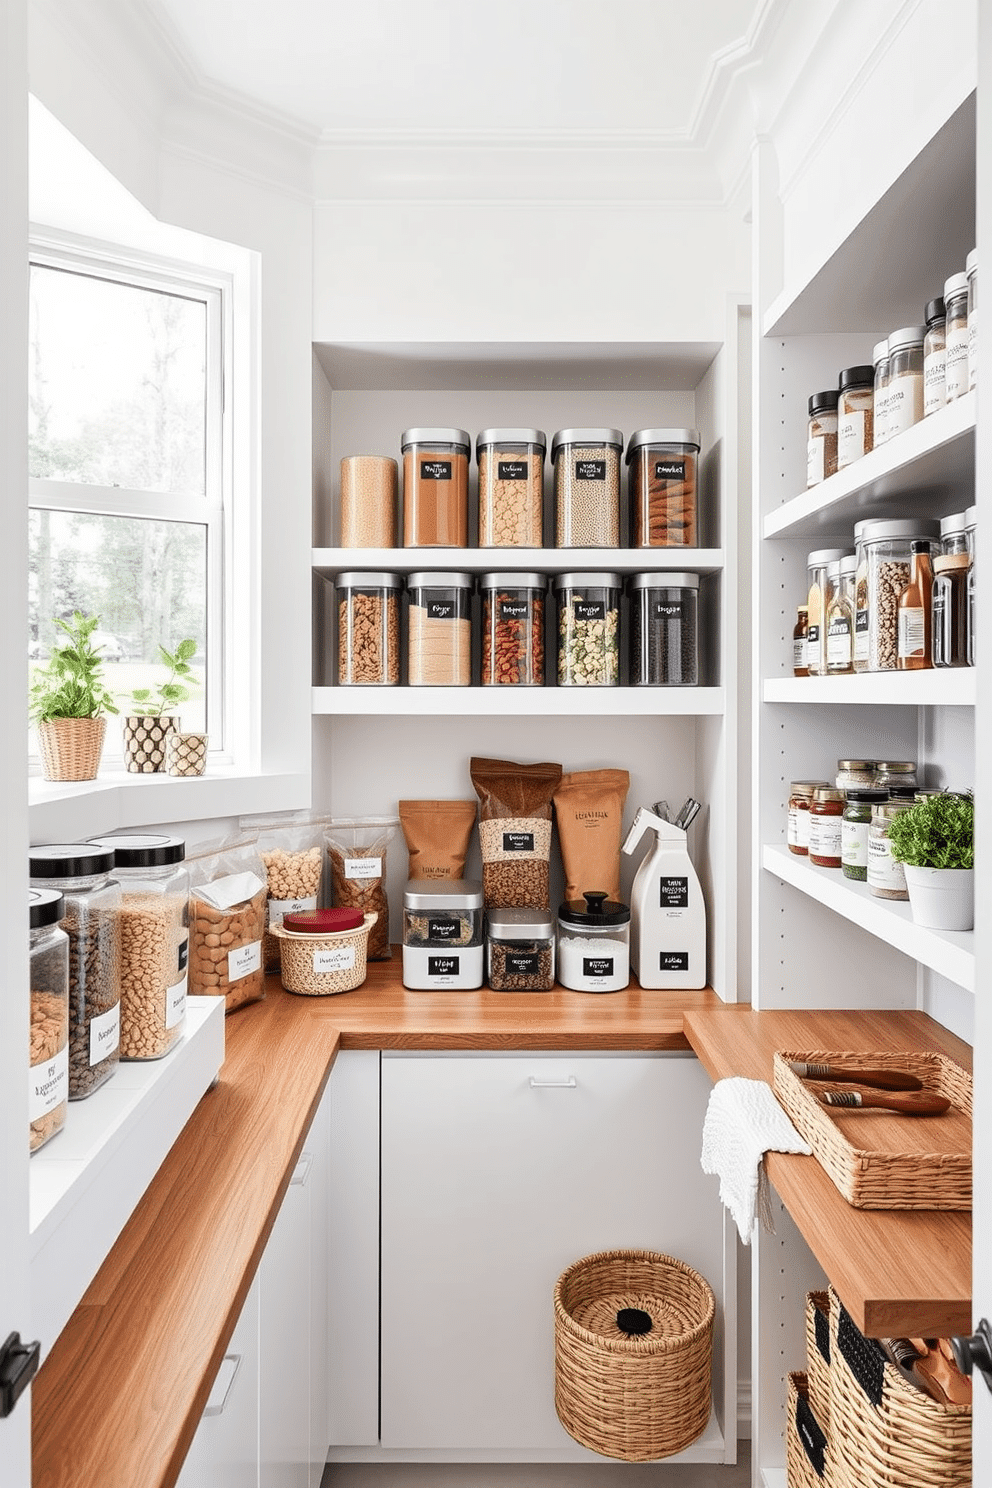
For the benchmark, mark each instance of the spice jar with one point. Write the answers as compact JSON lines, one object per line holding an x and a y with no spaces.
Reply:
{"x":934,"y":358}
{"x":821,"y":437}
{"x":880,"y":393}
{"x":840,"y":616}
{"x":661,"y":486}
{"x":520,"y":950}
{"x":950,"y":592}
{"x":435,"y":488}
{"x":800,"y":800}
{"x":588,"y":629}
{"x":887,"y":549}
{"x":855,"y":414}
{"x":369,"y":629}
{"x":48,"y":1085}
{"x":593,"y":944}
{"x":817,"y":605}
{"x":511,"y":487}
{"x":154,"y":928}
{"x":368,"y":501}
{"x":904,"y":406}
{"x":587,"y":487}
{"x":860,"y":599}
{"x":442,"y":934}
{"x":956,"y":336}
{"x":92,"y":922}
{"x":799,"y":664}
{"x":664,"y":648}
{"x":439,"y":629}
{"x":971,"y":274}
{"x":855,"y":774}
{"x":972,"y":531}
{"x":886,"y":877}
{"x":825,"y":829}
{"x":855,"y":830}
{"x":895,"y":774}
{"x":513,"y":629}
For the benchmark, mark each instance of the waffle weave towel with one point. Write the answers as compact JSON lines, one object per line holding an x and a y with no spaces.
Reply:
{"x":743,"y":1122}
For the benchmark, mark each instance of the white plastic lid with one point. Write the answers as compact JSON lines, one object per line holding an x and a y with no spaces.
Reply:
{"x":957,"y":284}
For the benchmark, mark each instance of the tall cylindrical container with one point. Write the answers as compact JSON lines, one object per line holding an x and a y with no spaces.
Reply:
{"x":435,"y":488}
{"x":369,"y":500}
{"x":48,"y":1075}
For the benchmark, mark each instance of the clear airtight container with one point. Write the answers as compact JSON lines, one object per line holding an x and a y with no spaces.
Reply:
{"x":587,"y":487}
{"x":511,"y":487}
{"x":662,"y":488}
{"x":880,"y":394}
{"x":593,"y":944}
{"x":956,"y":336}
{"x":855,"y":414}
{"x":48,"y":1075}
{"x":664,"y":642}
{"x":369,"y":629}
{"x":442,"y":934}
{"x":439,"y":629}
{"x":513,"y":629}
{"x":588,"y":629}
{"x":886,"y":549}
{"x":905,"y":399}
{"x":950,"y":591}
{"x":817,"y":604}
{"x":934,"y":357}
{"x":520,"y":950}
{"x":435,"y":488}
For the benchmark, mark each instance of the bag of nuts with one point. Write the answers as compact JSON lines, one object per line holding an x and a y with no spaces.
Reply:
{"x":290,"y":846}
{"x":515,"y":831}
{"x":228,"y":895}
{"x":356,"y":847}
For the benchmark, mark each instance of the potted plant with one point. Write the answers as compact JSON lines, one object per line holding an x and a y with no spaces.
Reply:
{"x":68,"y":701}
{"x":148,"y":725}
{"x":935,"y":841}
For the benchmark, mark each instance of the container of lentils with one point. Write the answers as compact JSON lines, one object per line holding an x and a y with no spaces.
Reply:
{"x":435,"y":488}
{"x":154,"y":920}
{"x":587,"y":487}
{"x":520,"y":950}
{"x":48,"y":1091}
{"x":513,"y":629}
{"x":593,"y":944}
{"x":661,"y":488}
{"x":588,"y":629}
{"x":82,"y":872}
{"x":855,"y":829}
{"x":369,"y":629}
{"x":664,"y":639}
{"x":442,"y":934}
{"x":439,"y":629}
{"x":885,"y":551}
{"x":511,"y":487}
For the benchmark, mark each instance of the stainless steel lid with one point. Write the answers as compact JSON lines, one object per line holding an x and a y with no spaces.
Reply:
{"x":956,"y":522}
{"x":587,"y":437}
{"x":681,"y":437}
{"x":900,"y":527}
{"x":588,"y":581}
{"x":356,"y":580}
{"x":442,"y":894}
{"x":511,"y":436}
{"x":510,"y":580}
{"x":436,"y":436}
{"x":664,"y":581}
{"x":439,"y":578}
{"x":520,"y":924}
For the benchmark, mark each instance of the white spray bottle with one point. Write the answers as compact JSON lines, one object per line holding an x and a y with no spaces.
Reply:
{"x":667,"y":912}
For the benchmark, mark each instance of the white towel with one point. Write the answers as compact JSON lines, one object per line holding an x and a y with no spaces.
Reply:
{"x":743,"y":1122}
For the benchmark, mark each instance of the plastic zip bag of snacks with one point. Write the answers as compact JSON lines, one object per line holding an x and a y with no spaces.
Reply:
{"x":228,"y":894}
{"x":290,"y":845}
{"x":356,"y":847}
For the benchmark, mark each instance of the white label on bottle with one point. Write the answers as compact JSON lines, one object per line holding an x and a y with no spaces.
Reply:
{"x":880,"y":430}
{"x":337,"y":958}
{"x":904,"y":405}
{"x":279,"y":908}
{"x":814,"y":649}
{"x":824,"y":836}
{"x":363,"y":867}
{"x":854,"y":844}
{"x":802,"y":828}
{"x":175,"y":1004}
{"x":792,"y":836}
{"x":883,"y":871}
{"x":956,"y":368}
{"x":815,"y":452}
{"x":973,"y":348}
{"x":105,"y":1034}
{"x":839,"y":644}
{"x":48,"y":1084}
{"x":850,"y":437}
{"x":934,"y":381}
{"x":912,"y":633}
{"x":244,"y":960}
{"x":799,"y":654}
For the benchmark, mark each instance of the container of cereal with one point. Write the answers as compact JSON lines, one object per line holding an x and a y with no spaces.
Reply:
{"x":323,"y":951}
{"x":587,"y":487}
{"x":48,"y":1089}
{"x":662,"y":488}
{"x":442,"y":934}
{"x":439,"y":629}
{"x":520,"y":950}
{"x":588,"y":629}
{"x":511,"y":487}
{"x":513,"y":629}
{"x":369,"y":629}
{"x":594,"y":943}
{"x":435,"y":488}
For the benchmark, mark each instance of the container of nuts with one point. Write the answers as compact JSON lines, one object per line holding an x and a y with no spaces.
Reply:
{"x":291,"y":848}
{"x":520,"y":950}
{"x":588,"y":629}
{"x":323,"y":951}
{"x":226,"y":924}
{"x":369,"y":629}
{"x":48,"y":1091}
{"x":884,"y":555}
{"x":513,"y":629}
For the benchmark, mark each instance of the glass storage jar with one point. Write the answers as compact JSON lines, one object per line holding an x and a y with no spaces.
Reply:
{"x":369,"y":629}
{"x":664,"y":643}
{"x":860,"y":599}
{"x":950,"y":592}
{"x":369,"y":501}
{"x":934,"y":357}
{"x":594,"y":944}
{"x":48,"y":1075}
{"x":520,"y":950}
{"x":855,"y":414}
{"x":956,"y":336}
{"x":821,"y":437}
{"x":825,"y":814}
{"x":855,"y":774}
{"x":513,"y":629}
{"x":880,"y":393}
{"x":817,"y":603}
{"x":435,"y":488}
{"x":915,"y":611}
{"x":587,"y":487}
{"x":886,"y":877}
{"x":154,"y":921}
{"x":855,"y":829}
{"x":661,"y":485}
{"x":904,"y":406}
{"x":972,"y":535}
{"x":442,"y":934}
{"x":800,"y":800}
{"x":971,"y":274}
{"x":799,"y":663}
{"x":511,"y":487}
{"x":895,"y":774}
{"x":439,"y":629}
{"x":82,"y":871}
{"x":840,"y":616}
{"x":887,"y":549}
{"x":588,"y":629}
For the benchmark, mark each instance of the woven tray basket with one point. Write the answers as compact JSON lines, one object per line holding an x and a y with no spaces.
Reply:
{"x":883,"y":1432}
{"x":818,"y":1355}
{"x":807,"y":1450}
{"x":71,"y":747}
{"x":634,"y":1398}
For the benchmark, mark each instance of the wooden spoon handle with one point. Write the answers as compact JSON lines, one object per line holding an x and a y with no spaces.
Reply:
{"x":879,"y":1079}
{"x":925,"y":1104}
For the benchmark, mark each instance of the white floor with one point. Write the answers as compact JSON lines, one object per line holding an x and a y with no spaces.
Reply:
{"x":653,"y":1475}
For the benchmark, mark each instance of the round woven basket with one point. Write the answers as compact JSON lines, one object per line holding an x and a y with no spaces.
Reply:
{"x":642,"y":1397}
{"x":71,"y":747}
{"x":342,"y":969}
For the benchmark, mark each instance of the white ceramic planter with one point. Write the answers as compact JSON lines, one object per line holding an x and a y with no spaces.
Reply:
{"x":942,"y":898}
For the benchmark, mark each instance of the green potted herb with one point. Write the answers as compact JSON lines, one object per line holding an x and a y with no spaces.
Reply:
{"x":68,"y":701}
{"x":935,"y":841}
{"x":147,"y":727}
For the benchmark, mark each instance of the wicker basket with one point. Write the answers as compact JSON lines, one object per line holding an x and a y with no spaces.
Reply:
{"x":807,"y":1450}
{"x":640,"y":1397}
{"x":883,"y":1432}
{"x":71,"y":747}
{"x":818,"y":1355}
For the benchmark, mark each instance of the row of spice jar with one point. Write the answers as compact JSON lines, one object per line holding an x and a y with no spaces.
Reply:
{"x":662,"y":487}
{"x":663,"y":629}
{"x":915,"y":371}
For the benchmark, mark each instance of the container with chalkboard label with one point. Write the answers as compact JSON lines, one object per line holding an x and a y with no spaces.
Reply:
{"x":668,"y":912}
{"x":594,"y":943}
{"x":520,"y":950}
{"x":442,"y":934}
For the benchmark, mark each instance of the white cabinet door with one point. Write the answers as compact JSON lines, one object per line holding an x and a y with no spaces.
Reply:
{"x":497,"y":1172}
{"x":224,"y":1452}
{"x":284,"y":1337}
{"x":318,"y":1145}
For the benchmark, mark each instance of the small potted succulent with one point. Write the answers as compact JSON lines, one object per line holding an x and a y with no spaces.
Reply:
{"x":149,"y":724}
{"x":68,"y":701}
{"x":935,"y":841}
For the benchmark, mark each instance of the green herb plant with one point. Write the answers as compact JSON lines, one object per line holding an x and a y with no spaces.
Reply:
{"x":71,"y":685}
{"x":937,"y":832}
{"x":152,"y":702}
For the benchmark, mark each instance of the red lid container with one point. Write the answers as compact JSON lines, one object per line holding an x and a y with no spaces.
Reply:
{"x":323,"y":921}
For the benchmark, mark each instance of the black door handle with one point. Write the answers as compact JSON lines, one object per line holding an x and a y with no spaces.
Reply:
{"x":975,"y":1352}
{"x":18,"y":1367}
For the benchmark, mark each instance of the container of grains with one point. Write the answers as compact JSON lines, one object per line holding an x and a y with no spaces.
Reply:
{"x":956,"y":337}
{"x":48,"y":1089}
{"x":439,"y":629}
{"x":950,"y":591}
{"x":369,"y":629}
{"x":587,"y":487}
{"x":886,"y":877}
{"x":511,"y":487}
{"x":934,"y":357}
{"x":323,"y":951}
{"x":905,"y":403}
{"x":855,"y":774}
{"x":825,"y":827}
{"x":520,"y":950}
{"x":82,"y":872}
{"x":588,"y":629}
{"x":442,"y":934}
{"x":855,"y":414}
{"x":821,"y":437}
{"x":369,"y":501}
{"x":513,"y":629}
{"x":435,"y":488}
{"x":817,"y":604}
{"x":855,"y":828}
{"x":894,"y":775}
{"x":594,"y":943}
{"x":662,"y":488}
{"x":800,"y":800}
{"x":664,"y":639}
{"x":880,"y":395}
{"x":886,"y":549}
{"x":154,"y":919}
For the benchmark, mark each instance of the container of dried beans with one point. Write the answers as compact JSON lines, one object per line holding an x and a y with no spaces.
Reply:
{"x":885,"y":552}
{"x":513,"y":629}
{"x":48,"y":1091}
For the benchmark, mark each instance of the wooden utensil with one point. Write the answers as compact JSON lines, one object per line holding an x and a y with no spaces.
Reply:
{"x":925,"y":1104}
{"x":878,"y":1079}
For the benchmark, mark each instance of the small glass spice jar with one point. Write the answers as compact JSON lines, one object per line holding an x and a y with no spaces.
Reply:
{"x":369,"y":501}
{"x":934,"y":357}
{"x":662,"y":488}
{"x":513,"y":629}
{"x":840,"y":617}
{"x":855,"y":774}
{"x":892,"y":774}
{"x":587,"y":487}
{"x":956,"y":336}
{"x":880,"y":391}
{"x":950,"y":592}
{"x":971,"y":274}
{"x":48,"y":1077}
{"x":800,"y":800}
{"x":821,"y":437}
{"x":439,"y":629}
{"x":594,"y":944}
{"x":369,"y":629}
{"x":664,"y":643}
{"x":886,"y":877}
{"x":855,"y":414}
{"x":520,"y":950}
{"x":905,"y":398}
{"x":435,"y":488}
{"x":825,"y":827}
{"x":817,"y":604}
{"x":855,"y":829}
{"x":799,"y":663}
{"x":511,"y":487}
{"x":588,"y":629}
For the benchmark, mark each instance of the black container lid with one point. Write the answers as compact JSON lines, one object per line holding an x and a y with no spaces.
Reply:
{"x":143,"y":850}
{"x":857,"y":377}
{"x":867,"y":793}
{"x":822,"y":402}
{"x":45,"y":906}
{"x":902,"y":792}
{"x":936,"y":310}
{"x":594,"y":909}
{"x":69,"y":860}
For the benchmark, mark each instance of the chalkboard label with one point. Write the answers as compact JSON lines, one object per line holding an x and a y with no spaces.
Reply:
{"x":520,"y":964}
{"x":590,"y":470}
{"x":518,"y":841}
{"x":441,"y":609}
{"x":435,"y":470}
{"x":513,"y":609}
{"x":590,"y":609}
{"x":669,"y":470}
{"x":443,"y":965}
{"x":597,"y":966}
{"x":442,"y":928}
{"x":662,"y":609}
{"x":674,"y":893}
{"x":673,"y":961}
{"x":511,"y":469}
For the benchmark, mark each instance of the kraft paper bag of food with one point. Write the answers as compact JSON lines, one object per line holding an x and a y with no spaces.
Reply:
{"x":589,"y":812}
{"x":515,"y":831}
{"x":437,"y":835}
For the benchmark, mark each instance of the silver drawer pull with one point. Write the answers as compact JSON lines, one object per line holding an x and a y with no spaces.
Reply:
{"x":569,"y":1083}
{"x":220,"y":1393}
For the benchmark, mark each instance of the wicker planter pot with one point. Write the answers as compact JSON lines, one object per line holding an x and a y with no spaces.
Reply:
{"x":71,"y":747}
{"x":144,"y":742}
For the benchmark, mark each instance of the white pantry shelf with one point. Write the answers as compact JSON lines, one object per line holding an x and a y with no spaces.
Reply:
{"x":330,"y":561}
{"x":517,"y":702}
{"x":949,"y":952}
{"x":944,"y":686}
